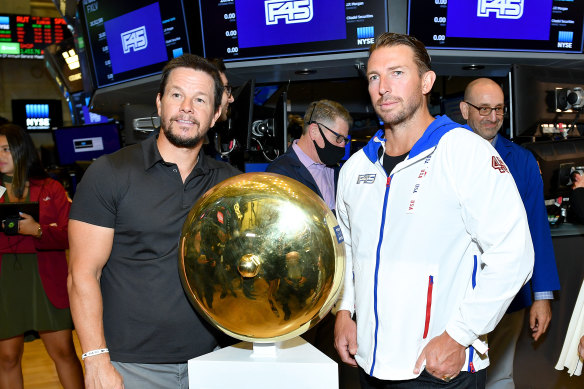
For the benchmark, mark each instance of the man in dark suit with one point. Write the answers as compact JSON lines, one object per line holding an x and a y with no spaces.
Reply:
{"x":313,"y":160}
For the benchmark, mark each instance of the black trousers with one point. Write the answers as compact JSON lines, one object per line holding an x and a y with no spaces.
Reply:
{"x":464,"y":380}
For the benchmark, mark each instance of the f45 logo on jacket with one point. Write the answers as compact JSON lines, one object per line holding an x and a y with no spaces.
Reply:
{"x":498,"y":164}
{"x":366,"y":179}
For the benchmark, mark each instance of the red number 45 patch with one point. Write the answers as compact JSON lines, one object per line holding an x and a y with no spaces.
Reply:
{"x":498,"y":164}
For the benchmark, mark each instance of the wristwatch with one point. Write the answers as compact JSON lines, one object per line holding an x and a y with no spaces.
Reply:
{"x":39,"y":233}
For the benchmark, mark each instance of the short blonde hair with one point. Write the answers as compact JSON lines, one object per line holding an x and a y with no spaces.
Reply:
{"x":325,"y":110}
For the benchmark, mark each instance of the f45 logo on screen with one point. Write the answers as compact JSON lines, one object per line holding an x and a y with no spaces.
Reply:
{"x":498,"y":164}
{"x":135,"y":39}
{"x":292,"y":11}
{"x":503,"y":9}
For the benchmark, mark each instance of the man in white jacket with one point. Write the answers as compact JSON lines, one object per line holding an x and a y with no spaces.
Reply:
{"x":436,"y":234}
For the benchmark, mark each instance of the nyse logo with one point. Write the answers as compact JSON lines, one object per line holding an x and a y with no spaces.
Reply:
{"x":38,"y":122}
{"x":365,"y":35}
{"x":366,"y":179}
{"x":135,"y":39}
{"x":565,"y":39}
{"x":503,"y":9}
{"x":292,"y":11}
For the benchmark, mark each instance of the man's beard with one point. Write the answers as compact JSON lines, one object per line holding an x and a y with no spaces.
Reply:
{"x":183,"y":142}
{"x":399,"y":117}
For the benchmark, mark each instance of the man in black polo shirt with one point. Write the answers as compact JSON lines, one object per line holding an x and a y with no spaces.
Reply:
{"x":134,"y":322}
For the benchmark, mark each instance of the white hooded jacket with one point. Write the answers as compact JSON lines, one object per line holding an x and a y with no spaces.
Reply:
{"x":441,"y":244}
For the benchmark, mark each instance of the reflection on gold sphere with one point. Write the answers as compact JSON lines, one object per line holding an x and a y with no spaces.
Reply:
{"x":249,"y":265}
{"x":261,"y":257}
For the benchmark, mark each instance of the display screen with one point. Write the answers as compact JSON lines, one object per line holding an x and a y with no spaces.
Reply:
{"x":37,"y":115}
{"x":251,"y":29}
{"x":25,"y":36}
{"x":130,"y":40}
{"x":86,"y":143}
{"x":508,"y":25}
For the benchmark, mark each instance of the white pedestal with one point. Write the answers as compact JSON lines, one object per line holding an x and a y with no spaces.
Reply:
{"x":297,"y":364}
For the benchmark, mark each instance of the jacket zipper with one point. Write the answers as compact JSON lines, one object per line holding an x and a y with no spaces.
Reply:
{"x":428,"y":305}
{"x":377,"y":260}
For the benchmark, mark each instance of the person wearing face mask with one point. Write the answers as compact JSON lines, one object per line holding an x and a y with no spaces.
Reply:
{"x":313,"y":160}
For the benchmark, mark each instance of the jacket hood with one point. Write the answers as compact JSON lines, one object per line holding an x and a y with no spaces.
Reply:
{"x":440,"y":126}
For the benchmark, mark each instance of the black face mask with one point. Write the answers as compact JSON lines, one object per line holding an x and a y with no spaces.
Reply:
{"x":329,"y":154}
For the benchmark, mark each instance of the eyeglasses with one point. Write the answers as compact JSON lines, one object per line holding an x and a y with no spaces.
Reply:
{"x":486,"y":111}
{"x":228,"y":89}
{"x":338,"y":137}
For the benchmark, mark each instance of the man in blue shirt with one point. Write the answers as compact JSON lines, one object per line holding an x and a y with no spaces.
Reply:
{"x":483,"y":108}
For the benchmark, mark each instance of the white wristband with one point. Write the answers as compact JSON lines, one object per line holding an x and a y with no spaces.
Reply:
{"x":94,"y":352}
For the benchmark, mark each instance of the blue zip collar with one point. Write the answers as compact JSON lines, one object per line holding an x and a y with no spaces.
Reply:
{"x":440,"y":126}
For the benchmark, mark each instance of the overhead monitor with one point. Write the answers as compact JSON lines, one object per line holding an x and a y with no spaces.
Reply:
{"x":131,"y":40}
{"x":37,"y":115}
{"x":85,"y":143}
{"x":26,"y":36}
{"x":238,"y":30}
{"x":505,"y":25}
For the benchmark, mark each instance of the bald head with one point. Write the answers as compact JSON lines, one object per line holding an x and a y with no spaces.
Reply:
{"x":483,"y":92}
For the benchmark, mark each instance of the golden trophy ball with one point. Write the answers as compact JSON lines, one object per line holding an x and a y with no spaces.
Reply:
{"x":261,"y":257}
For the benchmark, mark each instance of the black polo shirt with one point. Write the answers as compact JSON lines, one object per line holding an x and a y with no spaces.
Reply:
{"x":147,"y":316}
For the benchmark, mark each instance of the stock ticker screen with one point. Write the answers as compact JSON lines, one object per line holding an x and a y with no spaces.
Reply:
{"x":506,"y":25}
{"x":131,"y":40}
{"x":252,"y":29}
{"x":25,"y":36}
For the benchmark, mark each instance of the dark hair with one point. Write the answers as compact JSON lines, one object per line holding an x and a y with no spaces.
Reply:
{"x":421,"y":56}
{"x":218,"y":62}
{"x":27,"y":164}
{"x":3,"y":120}
{"x":194,"y":62}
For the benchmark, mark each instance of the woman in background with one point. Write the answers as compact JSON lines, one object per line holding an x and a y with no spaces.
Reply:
{"x":33,"y":265}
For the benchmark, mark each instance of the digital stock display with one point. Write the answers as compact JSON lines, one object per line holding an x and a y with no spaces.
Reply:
{"x":251,"y":29}
{"x":508,"y":25}
{"x":25,"y":36}
{"x":130,"y":40}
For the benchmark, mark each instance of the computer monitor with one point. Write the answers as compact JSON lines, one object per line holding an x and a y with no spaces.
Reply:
{"x":85,"y":143}
{"x":530,"y":26}
{"x":246,"y":30}
{"x":37,"y":115}
{"x":129,"y":40}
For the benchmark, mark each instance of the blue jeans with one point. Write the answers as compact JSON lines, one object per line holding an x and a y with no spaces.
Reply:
{"x":464,"y":380}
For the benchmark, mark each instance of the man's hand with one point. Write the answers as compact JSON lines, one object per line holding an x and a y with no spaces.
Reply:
{"x":346,"y":337}
{"x":581,"y":348}
{"x":101,"y":374}
{"x":540,"y":316}
{"x":444,"y":357}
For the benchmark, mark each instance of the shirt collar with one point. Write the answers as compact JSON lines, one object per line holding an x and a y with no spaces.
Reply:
{"x":152,"y":155}
{"x":495,"y":140}
{"x":302,"y":156}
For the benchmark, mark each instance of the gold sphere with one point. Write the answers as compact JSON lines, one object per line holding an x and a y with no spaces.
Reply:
{"x":261,"y":257}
